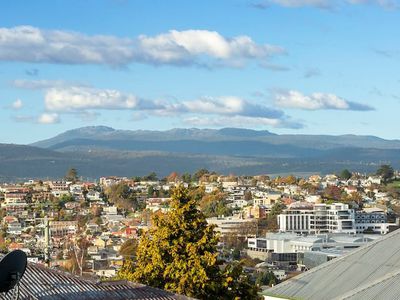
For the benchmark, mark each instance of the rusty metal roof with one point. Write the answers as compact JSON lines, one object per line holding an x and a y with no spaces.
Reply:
{"x":40,"y":282}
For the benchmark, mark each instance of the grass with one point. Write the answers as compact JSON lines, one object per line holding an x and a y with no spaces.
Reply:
{"x":394,"y":184}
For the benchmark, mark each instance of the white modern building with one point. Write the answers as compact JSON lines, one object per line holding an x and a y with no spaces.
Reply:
{"x":303,"y":217}
{"x":293,"y":243}
{"x":227,"y":225}
{"x":372,"y":220}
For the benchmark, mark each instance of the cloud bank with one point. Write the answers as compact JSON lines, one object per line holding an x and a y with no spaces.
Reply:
{"x":316,"y":101}
{"x":188,"y":47}
{"x":211,"y":110}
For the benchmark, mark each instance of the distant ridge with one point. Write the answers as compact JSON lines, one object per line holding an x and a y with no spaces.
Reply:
{"x":232,"y":134}
{"x":101,"y":151}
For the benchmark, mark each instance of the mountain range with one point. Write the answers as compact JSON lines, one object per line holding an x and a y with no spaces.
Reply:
{"x":99,"y":151}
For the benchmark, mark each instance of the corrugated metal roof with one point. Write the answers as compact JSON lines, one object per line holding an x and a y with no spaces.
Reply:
{"x":369,"y":272}
{"x":43,"y":283}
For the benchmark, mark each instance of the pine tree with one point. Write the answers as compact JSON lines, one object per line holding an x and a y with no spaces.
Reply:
{"x":72,"y":175}
{"x":179,"y":254}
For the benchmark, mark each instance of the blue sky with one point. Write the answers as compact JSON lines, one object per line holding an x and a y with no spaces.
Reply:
{"x":288,"y":66}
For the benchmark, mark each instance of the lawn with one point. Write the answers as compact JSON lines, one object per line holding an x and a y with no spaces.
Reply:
{"x":394,"y":184}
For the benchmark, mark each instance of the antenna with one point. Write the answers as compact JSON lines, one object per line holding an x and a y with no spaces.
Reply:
{"x":12,"y":268}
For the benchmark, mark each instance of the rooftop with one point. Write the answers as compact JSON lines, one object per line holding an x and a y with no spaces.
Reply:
{"x":370,"y":272}
{"x":40,"y":282}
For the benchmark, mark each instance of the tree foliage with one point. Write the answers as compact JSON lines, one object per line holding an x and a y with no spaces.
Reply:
{"x":179,"y":254}
{"x":123,"y":197}
{"x":215,"y":204}
{"x":386,"y":172}
{"x":266,"y":278}
{"x":345,"y":174}
{"x":72,"y":175}
{"x":128,"y":249}
{"x":332,"y":192}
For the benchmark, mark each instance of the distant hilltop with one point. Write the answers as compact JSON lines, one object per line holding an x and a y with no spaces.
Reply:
{"x":100,"y":151}
{"x":225,"y":134}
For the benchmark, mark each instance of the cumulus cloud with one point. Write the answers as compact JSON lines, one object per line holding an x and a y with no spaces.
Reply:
{"x":242,"y":121}
{"x":184,"y":47}
{"x":227,"y":105}
{"x":188,"y":47}
{"x":79,"y":100}
{"x":48,"y":118}
{"x":85,"y":98}
{"x":316,"y":101}
{"x":17,"y":104}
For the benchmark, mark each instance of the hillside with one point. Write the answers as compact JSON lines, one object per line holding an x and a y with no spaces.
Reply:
{"x":101,"y":151}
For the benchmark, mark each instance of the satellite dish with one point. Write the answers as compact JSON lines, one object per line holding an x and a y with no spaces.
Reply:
{"x":12,"y":268}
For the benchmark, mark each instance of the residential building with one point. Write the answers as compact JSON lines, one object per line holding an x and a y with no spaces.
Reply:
{"x":304,"y":217}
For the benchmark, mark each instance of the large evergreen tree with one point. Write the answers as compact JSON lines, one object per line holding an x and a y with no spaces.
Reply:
{"x":386,"y":172}
{"x":72,"y":175}
{"x":179,"y":254}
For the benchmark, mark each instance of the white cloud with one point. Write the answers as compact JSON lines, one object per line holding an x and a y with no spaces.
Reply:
{"x":48,"y":118}
{"x":300,"y":3}
{"x":225,"y":105}
{"x":242,"y":121}
{"x":84,"y":98}
{"x":188,"y":46}
{"x":207,"y":105}
{"x":17,"y":104}
{"x":78,"y":99}
{"x":193,"y":47}
{"x":315,"y":101}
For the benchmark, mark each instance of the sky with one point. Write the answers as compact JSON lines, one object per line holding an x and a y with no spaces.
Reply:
{"x":287,"y":66}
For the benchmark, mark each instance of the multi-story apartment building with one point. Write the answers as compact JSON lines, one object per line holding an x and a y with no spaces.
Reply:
{"x":318,"y":218}
{"x":62,"y":228}
{"x":372,"y":221}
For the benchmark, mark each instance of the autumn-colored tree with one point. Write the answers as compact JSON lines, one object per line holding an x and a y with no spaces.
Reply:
{"x":179,"y":254}
{"x":332,"y":192}
{"x":354,"y":197}
{"x":128,"y":249}
{"x":123,"y":197}
{"x":291,"y":179}
{"x":173,"y":177}
{"x":78,"y":251}
{"x":215,"y":204}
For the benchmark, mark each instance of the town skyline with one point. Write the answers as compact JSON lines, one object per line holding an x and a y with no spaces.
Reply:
{"x":289,"y":67}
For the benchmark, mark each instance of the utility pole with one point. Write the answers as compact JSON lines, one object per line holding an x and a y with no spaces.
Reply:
{"x":46,"y":241}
